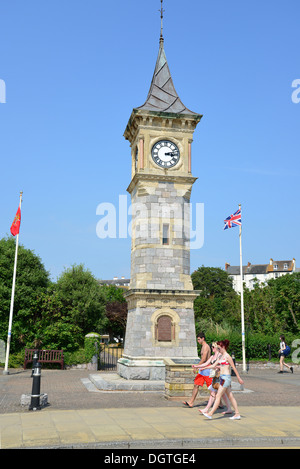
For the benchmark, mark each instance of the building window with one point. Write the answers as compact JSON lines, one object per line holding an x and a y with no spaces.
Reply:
{"x":166,"y":234}
{"x":275,"y":266}
{"x":285,"y":266}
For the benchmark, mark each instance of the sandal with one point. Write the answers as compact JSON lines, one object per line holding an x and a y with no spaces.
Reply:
{"x":187,"y":404}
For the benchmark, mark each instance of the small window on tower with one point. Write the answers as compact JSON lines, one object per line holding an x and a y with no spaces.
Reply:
{"x":166,"y":234}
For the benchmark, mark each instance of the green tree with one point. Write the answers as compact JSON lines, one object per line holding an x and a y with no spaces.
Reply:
{"x":32,"y":280}
{"x":286,"y":293}
{"x":217,"y":300}
{"x":68,"y":310}
{"x":259,"y":306}
{"x":82,"y":298}
{"x":275,"y":307}
{"x":54,"y":328}
{"x":212,"y":282}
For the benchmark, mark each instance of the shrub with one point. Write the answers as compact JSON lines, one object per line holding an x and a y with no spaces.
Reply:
{"x":256,"y":344}
{"x":91,"y":346}
{"x":74,"y":358}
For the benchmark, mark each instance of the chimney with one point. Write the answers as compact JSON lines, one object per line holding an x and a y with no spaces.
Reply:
{"x":226,"y":266}
{"x":271,"y":261}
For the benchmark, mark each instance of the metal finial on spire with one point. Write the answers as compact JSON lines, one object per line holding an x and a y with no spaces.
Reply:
{"x":161,"y":21}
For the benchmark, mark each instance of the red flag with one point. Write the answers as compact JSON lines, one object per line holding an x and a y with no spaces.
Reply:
{"x":15,"y":227}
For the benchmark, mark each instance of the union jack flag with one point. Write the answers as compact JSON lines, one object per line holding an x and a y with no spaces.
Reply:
{"x":233,"y":220}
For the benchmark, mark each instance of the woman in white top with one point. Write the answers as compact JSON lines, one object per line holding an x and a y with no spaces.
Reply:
{"x":284,"y":352}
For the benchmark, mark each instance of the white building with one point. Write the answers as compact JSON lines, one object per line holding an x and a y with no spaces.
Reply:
{"x":117,"y":282}
{"x":259,"y":273}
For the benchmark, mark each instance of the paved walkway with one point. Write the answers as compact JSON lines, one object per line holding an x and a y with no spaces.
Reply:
{"x":81,"y":416}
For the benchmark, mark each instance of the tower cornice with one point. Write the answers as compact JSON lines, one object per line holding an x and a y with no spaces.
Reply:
{"x":145,"y":118}
{"x":176,"y":178}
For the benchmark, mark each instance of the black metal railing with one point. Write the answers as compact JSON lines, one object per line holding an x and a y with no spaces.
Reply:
{"x":108,"y":357}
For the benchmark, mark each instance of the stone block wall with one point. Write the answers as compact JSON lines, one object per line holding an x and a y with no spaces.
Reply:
{"x":145,"y":307}
{"x":155,"y":265}
{"x":179,"y":381}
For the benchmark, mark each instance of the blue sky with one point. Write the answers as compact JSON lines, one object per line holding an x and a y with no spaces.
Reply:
{"x":74,"y":70}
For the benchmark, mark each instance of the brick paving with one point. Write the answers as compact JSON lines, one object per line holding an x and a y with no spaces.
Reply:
{"x":80,"y":416}
{"x":66,"y":391}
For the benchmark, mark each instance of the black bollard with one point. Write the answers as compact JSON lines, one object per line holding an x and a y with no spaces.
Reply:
{"x":34,"y":361}
{"x":270,"y":352}
{"x":36,"y":388}
{"x":233,"y":359}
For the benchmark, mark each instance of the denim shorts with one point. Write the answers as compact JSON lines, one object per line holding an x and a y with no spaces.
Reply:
{"x":225,"y":381}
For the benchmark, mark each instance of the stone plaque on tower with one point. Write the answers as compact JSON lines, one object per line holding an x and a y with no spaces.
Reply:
{"x":160,"y":322}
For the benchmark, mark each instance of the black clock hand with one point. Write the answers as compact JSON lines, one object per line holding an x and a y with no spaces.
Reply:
{"x":171,"y":153}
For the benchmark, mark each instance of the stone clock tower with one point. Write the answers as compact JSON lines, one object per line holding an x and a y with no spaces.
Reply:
{"x":160,"y":322}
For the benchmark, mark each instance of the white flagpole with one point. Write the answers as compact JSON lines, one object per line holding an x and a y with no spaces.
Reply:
{"x":6,"y":372}
{"x":242,"y":300}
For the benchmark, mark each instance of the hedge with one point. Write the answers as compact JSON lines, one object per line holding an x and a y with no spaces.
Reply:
{"x":256,"y":345}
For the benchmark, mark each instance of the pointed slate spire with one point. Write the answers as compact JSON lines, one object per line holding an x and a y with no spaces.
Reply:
{"x":162,"y":96}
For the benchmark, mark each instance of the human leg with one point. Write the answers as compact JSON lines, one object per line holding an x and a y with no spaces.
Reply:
{"x":190,"y":402}
{"x":210,"y":402}
{"x":225,"y":384}
{"x":194,"y":395}
{"x":226,"y":400}
{"x":233,"y":402}
{"x":219,"y":395}
{"x":285,"y":364}
{"x":281,"y":362}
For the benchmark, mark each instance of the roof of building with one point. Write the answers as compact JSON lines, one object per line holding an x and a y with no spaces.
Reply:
{"x":256,"y":269}
{"x":281,"y":266}
{"x":162,"y":96}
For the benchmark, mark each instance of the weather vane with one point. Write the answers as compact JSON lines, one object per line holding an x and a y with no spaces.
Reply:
{"x":161,"y":20}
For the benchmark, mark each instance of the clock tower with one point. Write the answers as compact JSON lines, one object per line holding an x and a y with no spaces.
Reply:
{"x":160,"y":322}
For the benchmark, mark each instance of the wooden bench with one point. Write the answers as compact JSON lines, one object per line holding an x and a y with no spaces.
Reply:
{"x":45,"y":356}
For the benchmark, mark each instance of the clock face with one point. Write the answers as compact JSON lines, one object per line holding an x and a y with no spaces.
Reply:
{"x":165,"y":154}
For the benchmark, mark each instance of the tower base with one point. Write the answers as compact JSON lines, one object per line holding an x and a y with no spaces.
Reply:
{"x":141,"y":369}
{"x":160,"y":325}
